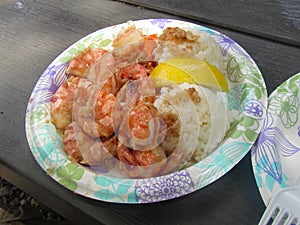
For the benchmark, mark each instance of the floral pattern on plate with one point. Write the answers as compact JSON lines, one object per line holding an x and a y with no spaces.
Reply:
{"x":247,"y":95}
{"x":276,"y":153}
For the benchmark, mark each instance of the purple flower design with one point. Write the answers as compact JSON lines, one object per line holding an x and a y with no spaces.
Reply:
{"x":254,"y":108}
{"x":163,"y":188}
{"x":268,"y":147}
{"x":52,"y":78}
{"x":228,"y":44}
{"x":161,"y":22}
{"x":47,"y":85}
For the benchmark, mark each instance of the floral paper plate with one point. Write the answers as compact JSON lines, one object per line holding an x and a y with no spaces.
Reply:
{"x":276,"y":153}
{"x":247,"y":95}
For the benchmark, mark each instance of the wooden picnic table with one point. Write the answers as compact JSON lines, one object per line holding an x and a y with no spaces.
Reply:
{"x":34,"y":32}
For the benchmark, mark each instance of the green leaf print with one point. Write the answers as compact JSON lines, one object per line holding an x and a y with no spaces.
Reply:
{"x":72,"y":185}
{"x":254,"y":79}
{"x":73,"y":51}
{"x":104,"y":43}
{"x":294,"y":88}
{"x":251,"y":135}
{"x":295,"y":84}
{"x":238,"y":69}
{"x":90,"y":41}
{"x":250,"y":87}
{"x":246,"y":128}
{"x":65,"y":59}
{"x":87,"y":39}
{"x":68,"y":173}
{"x":282,"y":90}
{"x":257,"y":92}
{"x":80,"y":48}
{"x":286,"y":106}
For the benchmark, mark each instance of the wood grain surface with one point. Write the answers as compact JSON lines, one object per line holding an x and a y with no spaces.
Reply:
{"x":34,"y":32}
{"x":276,"y":20}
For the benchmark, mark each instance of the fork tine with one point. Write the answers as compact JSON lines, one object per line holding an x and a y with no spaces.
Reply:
{"x":290,"y":220}
{"x":285,"y":218}
{"x":284,"y":208}
{"x":278,"y":219}
{"x":268,"y":214}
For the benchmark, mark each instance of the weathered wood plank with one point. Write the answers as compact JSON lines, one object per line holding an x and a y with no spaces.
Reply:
{"x":276,"y":20}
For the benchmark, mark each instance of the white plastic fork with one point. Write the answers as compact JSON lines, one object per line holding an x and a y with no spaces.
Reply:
{"x":284,"y":208}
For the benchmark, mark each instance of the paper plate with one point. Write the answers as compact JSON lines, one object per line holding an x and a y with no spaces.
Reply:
{"x":276,"y":153}
{"x":247,"y":96}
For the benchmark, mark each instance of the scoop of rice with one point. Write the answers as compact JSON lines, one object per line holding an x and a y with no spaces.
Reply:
{"x":208,"y":114}
{"x":176,"y":42}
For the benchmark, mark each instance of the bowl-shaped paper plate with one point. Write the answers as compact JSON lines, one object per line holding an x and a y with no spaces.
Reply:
{"x":247,"y":97}
{"x":276,"y":153}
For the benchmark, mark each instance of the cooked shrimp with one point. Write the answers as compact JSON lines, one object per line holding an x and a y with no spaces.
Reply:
{"x":102,"y":73}
{"x":135,"y":91}
{"x":139,"y":118}
{"x":112,"y":86}
{"x":95,"y":113}
{"x":128,"y":36}
{"x":149,"y":157}
{"x":148,"y":47}
{"x":146,"y":90}
{"x":125,"y":155}
{"x":95,"y":100}
{"x":80,"y":63}
{"x":149,"y":66}
{"x":139,"y":163}
{"x":70,"y":143}
{"x":134,"y":72}
{"x":132,"y":90}
{"x":62,"y":103}
{"x":140,"y":127}
{"x":111,"y":144}
{"x":131,"y":46}
{"x":83,"y":149}
{"x":140,"y":157}
{"x":106,"y":104}
{"x":100,"y":151}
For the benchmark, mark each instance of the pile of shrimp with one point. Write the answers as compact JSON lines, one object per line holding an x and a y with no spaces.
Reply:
{"x":105,"y":110}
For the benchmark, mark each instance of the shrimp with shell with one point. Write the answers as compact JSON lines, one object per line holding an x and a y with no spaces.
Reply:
{"x":79,"y":65}
{"x":62,"y":103}
{"x":85,"y":150}
{"x":140,"y":131}
{"x":111,"y":111}
{"x":131,"y":46}
{"x":62,"y":100}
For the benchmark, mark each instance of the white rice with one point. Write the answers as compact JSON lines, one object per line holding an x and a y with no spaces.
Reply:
{"x":204,"y":48}
{"x":206,"y":123}
{"x":210,"y":113}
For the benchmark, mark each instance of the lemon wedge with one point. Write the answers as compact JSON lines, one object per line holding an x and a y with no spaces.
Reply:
{"x":193,"y":71}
